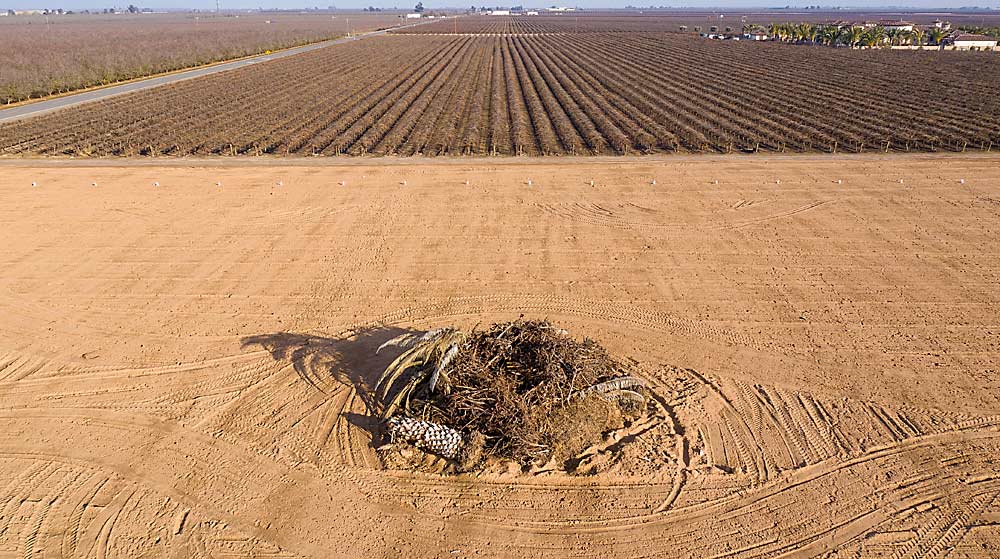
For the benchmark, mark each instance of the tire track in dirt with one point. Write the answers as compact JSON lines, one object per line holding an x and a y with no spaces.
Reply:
{"x":797,"y":533}
{"x":633,"y":317}
{"x":787,"y":424}
{"x":483,"y":503}
{"x":15,"y":368}
{"x":210,"y":463}
{"x":278,"y":446}
{"x":792,"y":420}
{"x":630,"y":216}
{"x":381,"y":490}
{"x":82,"y":511}
{"x":183,"y":392}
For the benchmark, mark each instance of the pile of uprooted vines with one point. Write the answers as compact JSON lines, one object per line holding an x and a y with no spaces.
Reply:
{"x":522,"y":390}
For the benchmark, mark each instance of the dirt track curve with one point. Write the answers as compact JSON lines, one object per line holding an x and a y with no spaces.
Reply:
{"x":183,"y":367}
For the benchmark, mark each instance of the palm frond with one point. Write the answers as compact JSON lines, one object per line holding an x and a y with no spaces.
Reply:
{"x":440,"y":368}
{"x":408,"y":340}
{"x":414,"y":366}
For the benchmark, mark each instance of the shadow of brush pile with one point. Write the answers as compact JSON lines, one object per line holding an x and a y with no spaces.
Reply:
{"x":521,"y":391}
{"x":326,"y":363}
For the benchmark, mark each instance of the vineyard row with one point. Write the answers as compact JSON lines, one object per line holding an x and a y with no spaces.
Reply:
{"x":583,"y":93}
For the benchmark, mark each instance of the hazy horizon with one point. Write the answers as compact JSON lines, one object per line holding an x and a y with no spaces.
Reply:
{"x":590,"y":5}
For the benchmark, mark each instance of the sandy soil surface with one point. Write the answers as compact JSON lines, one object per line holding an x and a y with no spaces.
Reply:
{"x":185,"y":351}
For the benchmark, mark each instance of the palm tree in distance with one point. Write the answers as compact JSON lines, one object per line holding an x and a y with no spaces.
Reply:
{"x":829,"y":34}
{"x":852,"y":36}
{"x":786,"y":31}
{"x":808,"y":32}
{"x":774,"y":30}
{"x":936,"y":36}
{"x":874,"y":37}
{"x":895,"y":36}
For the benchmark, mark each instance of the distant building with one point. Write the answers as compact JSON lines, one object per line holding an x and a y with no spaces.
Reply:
{"x":531,"y":13}
{"x":500,"y":13}
{"x":756,"y":36}
{"x":839,"y":24}
{"x":896,"y":25}
{"x":968,"y":41}
{"x":945,"y":25}
{"x":412,"y":16}
{"x":560,"y":9}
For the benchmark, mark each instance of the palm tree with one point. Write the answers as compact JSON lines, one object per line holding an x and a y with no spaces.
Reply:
{"x":852,"y":35}
{"x":774,"y":30}
{"x":783,"y":31}
{"x":918,"y":36}
{"x":807,"y":32}
{"x":749,"y":28}
{"x":795,"y":33}
{"x":828,"y":34}
{"x":936,"y":36}
{"x":895,"y":36}
{"x":874,"y":37}
{"x":791,"y":33}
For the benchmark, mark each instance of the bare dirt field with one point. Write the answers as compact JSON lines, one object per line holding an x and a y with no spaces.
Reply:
{"x":186,"y":349}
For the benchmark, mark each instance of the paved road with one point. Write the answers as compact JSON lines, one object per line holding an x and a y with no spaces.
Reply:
{"x":41,"y":107}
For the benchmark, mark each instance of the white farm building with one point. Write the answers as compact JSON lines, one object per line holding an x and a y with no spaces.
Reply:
{"x":969,"y":41}
{"x":897,"y":25}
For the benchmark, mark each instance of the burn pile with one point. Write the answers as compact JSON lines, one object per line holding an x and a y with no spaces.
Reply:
{"x":524,"y":391}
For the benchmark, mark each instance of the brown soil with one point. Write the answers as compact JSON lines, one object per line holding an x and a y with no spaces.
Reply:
{"x":553,"y":94}
{"x":184,"y":368}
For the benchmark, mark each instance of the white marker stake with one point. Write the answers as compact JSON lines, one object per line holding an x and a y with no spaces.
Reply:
{"x":961,"y":181}
{"x":653,"y":183}
{"x":34,"y":184}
